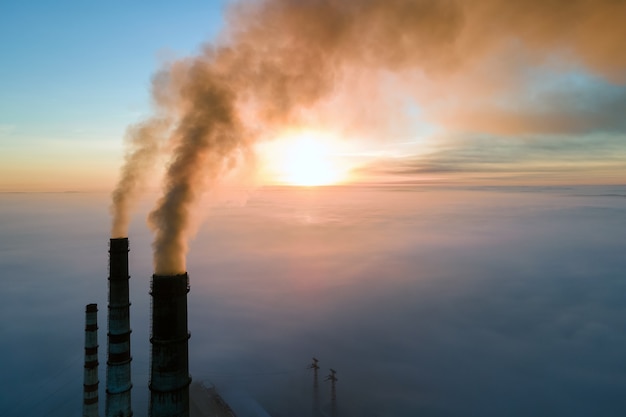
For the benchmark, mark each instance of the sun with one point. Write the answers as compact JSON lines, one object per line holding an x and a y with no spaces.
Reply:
{"x":305,"y":158}
{"x":307,"y":162}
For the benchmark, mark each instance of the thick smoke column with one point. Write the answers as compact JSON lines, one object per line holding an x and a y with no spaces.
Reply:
{"x":207,"y":135}
{"x":280,"y":63}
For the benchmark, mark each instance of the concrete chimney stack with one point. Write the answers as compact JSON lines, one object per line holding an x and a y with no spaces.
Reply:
{"x":90,"y":380}
{"x":169,"y":370}
{"x":118,"y":353}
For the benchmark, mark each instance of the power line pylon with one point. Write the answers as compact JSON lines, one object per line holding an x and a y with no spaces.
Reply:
{"x":333,"y":392}
{"x":316,"y":393}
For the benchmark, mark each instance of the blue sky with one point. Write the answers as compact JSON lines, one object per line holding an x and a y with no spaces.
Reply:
{"x":75,"y":74}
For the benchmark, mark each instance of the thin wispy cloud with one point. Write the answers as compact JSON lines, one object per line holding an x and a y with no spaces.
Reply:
{"x":537,"y":154}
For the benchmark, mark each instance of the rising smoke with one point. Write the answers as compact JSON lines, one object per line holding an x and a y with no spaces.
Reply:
{"x":143,"y":142}
{"x":282,"y":63}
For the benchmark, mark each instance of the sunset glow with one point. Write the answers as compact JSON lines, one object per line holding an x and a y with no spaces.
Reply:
{"x":427,"y":195}
{"x":304,"y":158}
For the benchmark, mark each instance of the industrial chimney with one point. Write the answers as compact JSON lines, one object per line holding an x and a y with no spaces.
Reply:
{"x":169,"y":370}
{"x":90,"y":380}
{"x":118,"y":352}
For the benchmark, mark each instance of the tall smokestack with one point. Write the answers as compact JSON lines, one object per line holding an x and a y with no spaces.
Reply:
{"x":169,"y":370}
{"x":90,"y":380}
{"x":118,"y":353}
